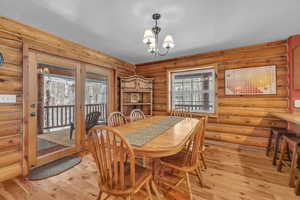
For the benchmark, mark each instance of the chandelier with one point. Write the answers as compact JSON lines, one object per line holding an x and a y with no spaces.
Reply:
{"x":151,"y":39}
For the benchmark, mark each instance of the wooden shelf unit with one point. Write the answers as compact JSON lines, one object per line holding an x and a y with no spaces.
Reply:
{"x":136,"y":92}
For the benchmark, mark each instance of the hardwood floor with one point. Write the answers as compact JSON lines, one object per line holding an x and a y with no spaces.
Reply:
{"x":234,"y":172}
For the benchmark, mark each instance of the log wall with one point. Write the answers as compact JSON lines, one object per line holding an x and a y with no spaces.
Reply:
{"x":241,"y":119}
{"x":12,"y":37}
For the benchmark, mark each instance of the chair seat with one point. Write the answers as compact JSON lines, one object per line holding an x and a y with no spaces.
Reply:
{"x":178,"y":161}
{"x":142,"y":175}
{"x":293,"y":139}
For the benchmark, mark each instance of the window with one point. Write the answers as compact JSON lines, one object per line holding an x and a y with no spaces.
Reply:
{"x":193,"y":90}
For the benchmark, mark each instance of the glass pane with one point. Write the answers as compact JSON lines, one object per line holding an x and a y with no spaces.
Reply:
{"x":96,"y":94}
{"x":193,"y":90}
{"x":56,"y":108}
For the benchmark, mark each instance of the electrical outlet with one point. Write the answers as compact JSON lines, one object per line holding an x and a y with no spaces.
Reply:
{"x":8,"y":98}
{"x":297,"y":103}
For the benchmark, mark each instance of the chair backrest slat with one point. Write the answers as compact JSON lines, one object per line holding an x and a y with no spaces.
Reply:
{"x":112,"y":155}
{"x":136,"y":114}
{"x":181,"y":113}
{"x":116,"y":119}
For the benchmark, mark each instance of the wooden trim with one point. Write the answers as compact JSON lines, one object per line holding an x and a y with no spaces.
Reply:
{"x":82,"y":106}
{"x":55,"y":60}
{"x":78,"y":107}
{"x":25,"y":110}
{"x":211,"y":66}
{"x":56,"y":155}
{"x":32,"y":100}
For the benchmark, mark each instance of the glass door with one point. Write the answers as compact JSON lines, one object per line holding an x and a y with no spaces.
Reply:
{"x":96,"y":94}
{"x":54,"y":108}
{"x":99,"y":101}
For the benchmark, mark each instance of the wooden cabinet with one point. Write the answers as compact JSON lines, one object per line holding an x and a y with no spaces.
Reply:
{"x":136,"y":92}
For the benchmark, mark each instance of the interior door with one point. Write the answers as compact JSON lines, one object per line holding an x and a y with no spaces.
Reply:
{"x":54,"y":107}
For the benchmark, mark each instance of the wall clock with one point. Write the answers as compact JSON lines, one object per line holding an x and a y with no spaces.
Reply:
{"x":1,"y":59}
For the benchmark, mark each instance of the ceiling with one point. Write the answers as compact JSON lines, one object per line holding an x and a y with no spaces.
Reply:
{"x":116,"y":27}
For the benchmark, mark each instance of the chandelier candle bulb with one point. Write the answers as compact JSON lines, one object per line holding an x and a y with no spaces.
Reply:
{"x":148,"y":36}
{"x":168,"y":42}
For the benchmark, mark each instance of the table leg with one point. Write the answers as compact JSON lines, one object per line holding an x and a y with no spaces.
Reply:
{"x":154,"y":182}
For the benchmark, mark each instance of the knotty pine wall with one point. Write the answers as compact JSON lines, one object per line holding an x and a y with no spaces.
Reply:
{"x":241,"y":119}
{"x":12,"y":37}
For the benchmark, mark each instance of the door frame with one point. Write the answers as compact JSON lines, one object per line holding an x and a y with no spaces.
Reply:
{"x":33,"y":53}
{"x":35,"y":57}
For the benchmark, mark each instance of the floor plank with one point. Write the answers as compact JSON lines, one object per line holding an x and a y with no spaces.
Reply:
{"x":234,"y":172}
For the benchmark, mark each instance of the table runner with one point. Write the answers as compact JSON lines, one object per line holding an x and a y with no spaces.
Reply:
{"x":144,"y":135}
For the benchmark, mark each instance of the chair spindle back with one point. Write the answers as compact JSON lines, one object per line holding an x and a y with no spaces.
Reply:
{"x":113,"y":156}
{"x":194,"y":144}
{"x":116,"y":119}
{"x":181,"y":113}
{"x":136,"y":114}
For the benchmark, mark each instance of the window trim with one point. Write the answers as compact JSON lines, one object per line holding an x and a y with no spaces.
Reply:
{"x":183,"y":69}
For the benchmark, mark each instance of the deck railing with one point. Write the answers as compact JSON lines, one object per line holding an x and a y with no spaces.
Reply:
{"x":63,"y":115}
{"x":191,"y":108}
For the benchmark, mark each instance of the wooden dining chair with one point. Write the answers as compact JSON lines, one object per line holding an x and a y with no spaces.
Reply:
{"x":187,"y":160}
{"x":116,"y":119}
{"x":115,"y":160}
{"x":202,"y":147}
{"x":136,"y":114}
{"x":181,"y":113}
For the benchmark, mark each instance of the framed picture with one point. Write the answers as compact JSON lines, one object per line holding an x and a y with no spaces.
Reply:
{"x":251,"y":81}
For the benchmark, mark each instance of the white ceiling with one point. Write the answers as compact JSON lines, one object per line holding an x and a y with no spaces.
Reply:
{"x":116,"y":27}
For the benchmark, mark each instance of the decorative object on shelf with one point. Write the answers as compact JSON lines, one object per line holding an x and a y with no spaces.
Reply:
{"x":135,"y":98}
{"x":251,"y":81}
{"x":151,"y":39}
{"x":136,"y":93}
{"x":1,"y":59}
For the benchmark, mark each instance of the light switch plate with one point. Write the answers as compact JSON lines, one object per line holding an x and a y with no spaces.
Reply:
{"x":8,"y":98}
{"x":297,"y":103}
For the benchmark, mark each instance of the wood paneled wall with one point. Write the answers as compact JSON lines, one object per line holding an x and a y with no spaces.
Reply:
{"x":241,"y":119}
{"x":13,"y":35}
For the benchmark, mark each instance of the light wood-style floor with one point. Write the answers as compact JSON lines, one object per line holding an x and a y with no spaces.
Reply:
{"x":234,"y":172}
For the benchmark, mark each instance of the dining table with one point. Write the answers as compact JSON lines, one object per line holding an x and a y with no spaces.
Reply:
{"x":156,"y":137}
